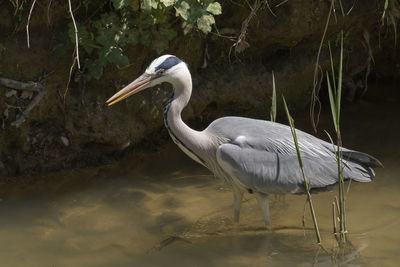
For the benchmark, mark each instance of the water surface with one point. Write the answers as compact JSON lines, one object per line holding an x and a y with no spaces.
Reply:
{"x":162,"y":209}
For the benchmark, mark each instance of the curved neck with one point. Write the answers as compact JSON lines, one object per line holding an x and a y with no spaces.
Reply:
{"x":192,"y":142}
{"x":182,"y":92}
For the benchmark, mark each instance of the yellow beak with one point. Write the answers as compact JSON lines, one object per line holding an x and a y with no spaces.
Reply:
{"x":134,"y":87}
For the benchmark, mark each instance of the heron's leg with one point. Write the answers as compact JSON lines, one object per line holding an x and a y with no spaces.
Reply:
{"x":263,"y":202}
{"x":237,"y":202}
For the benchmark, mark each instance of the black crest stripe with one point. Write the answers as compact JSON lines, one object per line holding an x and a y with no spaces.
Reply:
{"x":169,"y":62}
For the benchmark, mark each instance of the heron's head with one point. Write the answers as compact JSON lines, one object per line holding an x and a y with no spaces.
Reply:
{"x":163,"y":69}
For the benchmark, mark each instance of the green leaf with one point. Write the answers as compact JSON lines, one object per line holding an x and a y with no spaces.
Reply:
{"x":204,"y":23}
{"x":187,"y":27}
{"x":332,"y":66}
{"x":168,"y":3}
{"x":293,"y":130}
{"x":132,"y":36}
{"x":59,"y":50}
{"x":85,"y":38}
{"x":119,"y":4}
{"x":95,"y":68}
{"x":183,"y":10}
{"x":214,"y":8}
{"x":149,"y":4}
{"x":114,"y":55}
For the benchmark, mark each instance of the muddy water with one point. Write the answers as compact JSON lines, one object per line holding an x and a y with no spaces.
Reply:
{"x":162,"y":209}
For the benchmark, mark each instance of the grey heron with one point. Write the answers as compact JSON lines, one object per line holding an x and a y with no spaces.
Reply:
{"x":251,"y":155}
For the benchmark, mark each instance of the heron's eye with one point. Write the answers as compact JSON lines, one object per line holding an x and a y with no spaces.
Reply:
{"x":161,"y":72}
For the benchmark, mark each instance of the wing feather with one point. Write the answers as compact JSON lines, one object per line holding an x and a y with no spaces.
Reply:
{"x":271,"y":172}
{"x":261,"y":155}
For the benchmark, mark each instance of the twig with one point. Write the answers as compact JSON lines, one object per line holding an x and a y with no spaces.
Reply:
{"x":16,"y":6}
{"x":281,"y":3}
{"x":76,"y":34}
{"x":8,"y":106}
{"x":315,"y":91}
{"x":269,"y":8}
{"x":28,"y":109}
{"x":241,"y":43}
{"x":69,"y":78}
{"x":24,"y":86}
{"x":341,"y":7}
{"x":48,"y":12}
{"x":334,"y":11}
{"x":27,"y":23}
{"x":167,"y":242}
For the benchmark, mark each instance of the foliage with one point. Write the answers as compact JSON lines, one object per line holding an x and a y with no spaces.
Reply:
{"x":391,"y":15}
{"x":151,"y":23}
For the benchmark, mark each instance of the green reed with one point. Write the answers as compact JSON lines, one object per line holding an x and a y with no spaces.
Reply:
{"x":307,"y":188}
{"x":335,"y":95}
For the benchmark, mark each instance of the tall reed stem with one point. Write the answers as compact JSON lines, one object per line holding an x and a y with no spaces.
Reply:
{"x":335,"y":96}
{"x":307,"y":188}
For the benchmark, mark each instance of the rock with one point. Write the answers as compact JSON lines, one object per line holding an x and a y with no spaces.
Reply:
{"x":65,"y":141}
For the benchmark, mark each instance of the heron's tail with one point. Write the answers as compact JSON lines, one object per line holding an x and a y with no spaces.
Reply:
{"x":359,"y":166}
{"x":362,"y":158}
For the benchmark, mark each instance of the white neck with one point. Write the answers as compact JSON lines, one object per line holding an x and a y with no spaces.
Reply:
{"x":192,"y":142}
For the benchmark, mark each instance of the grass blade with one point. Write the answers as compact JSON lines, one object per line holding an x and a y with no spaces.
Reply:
{"x":273,"y":105}
{"x":384,"y":11}
{"x":332,"y":66}
{"x":332,"y":102}
{"x":339,"y":86}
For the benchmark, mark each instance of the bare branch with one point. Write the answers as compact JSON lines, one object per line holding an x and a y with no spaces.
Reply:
{"x":27,"y":23}
{"x":69,"y":79}
{"x":48,"y":12}
{"x":241,"y":43}
{"x":269,"y":8}
{"x":28,"y":109}
{"x":25,"y":86}
{"x":281,"y":3}
{"x":76,"y":35}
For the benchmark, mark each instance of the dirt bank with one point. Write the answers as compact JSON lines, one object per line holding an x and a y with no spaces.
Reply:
{"x":81,"y":130}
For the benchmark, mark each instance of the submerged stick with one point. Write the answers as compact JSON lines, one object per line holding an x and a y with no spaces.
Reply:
{"x":166,"y":242}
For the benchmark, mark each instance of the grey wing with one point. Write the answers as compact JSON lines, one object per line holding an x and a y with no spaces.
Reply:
{"x":271,"y":172}
{"x":262,"y":153}
{"x":270,"y":136}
